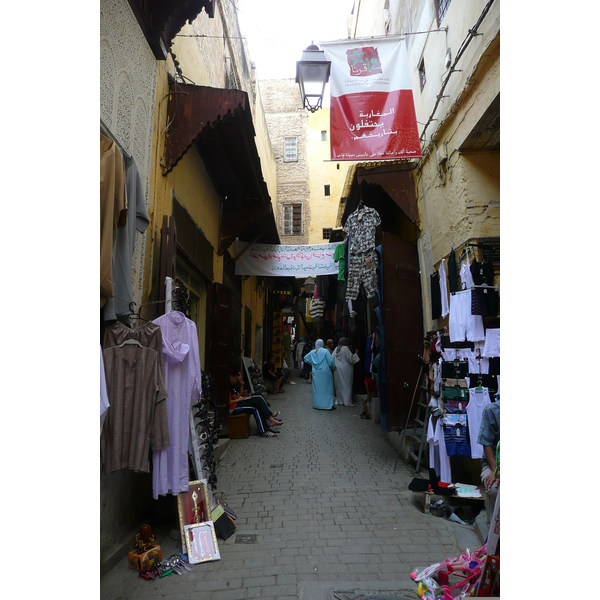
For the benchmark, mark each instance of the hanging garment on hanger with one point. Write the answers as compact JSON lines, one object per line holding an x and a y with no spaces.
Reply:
{"x":479,"y":365}
{"x":478,"y":400}
{"x":452,"y":370}
{"x":113,"y":210}
{"x":440,"y":441}
{"x":132,"y":421}
{"x":317,"y":308}
{"x":487,"y":381}
{"x":485,"y":302}
{"x":462,"y":324}
{"x":104,"y":403}
{"x":450,"y":354}
{"x":452,"y":279}
{"x":436,"y":296}
{"x":124,"y":243}
{"x":339,"y":256}
{"x":434,"y":448}
{"x":465,"y":275}
{"x":183,"y":379}
{"x":361,"y":226}
{"x":491,"y":347}
{"x":456,"y":434}
{"x":149,"y":335}
{"x":482,"y":273}
{"x":444,"y":289}
{"x":494,"y":365}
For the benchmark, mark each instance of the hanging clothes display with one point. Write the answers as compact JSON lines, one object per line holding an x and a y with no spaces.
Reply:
{"x":482,"y":273}
{"x":444,"y":290}
{"x":438,"y":458}
{"x":183,"y":380}
{"x":465,"y":274}
{"x":132,"y":423}
{"x":113,"y":210}
{"x":361,"y":225}
{"x":456,"y":435}
{"x":462,"y":324}
{"x":317,"y":308}
{"x":124,"y":243}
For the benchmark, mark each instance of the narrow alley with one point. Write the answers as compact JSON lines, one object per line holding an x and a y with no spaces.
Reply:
{"x":324,"y":510}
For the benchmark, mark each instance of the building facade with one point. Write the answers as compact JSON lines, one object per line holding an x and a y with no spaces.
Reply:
{"x":287,"y":122}
{"x":178,"y":95}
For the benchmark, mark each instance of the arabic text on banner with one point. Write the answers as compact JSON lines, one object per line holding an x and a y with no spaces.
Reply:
{"x":372,"y":115}
{"x":270,"y":260}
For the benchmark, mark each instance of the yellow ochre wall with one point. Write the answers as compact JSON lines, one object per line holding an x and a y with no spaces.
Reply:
{"x":323,"y":209}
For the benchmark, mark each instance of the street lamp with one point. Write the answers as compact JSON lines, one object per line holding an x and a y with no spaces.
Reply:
{"x":312,"y":74}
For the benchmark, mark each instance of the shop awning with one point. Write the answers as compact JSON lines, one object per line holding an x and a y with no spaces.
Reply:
{"x":218,"y":123}
{"x":161,"y":21}
{"x":396,"y":180}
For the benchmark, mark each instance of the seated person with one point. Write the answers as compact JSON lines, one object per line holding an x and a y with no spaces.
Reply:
{"x":270,"y":373}
{"x":255,"y":405}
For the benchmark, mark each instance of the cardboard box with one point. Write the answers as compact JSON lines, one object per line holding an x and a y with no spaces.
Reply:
{"x":239,"y":426}
{"x":142,"y":561}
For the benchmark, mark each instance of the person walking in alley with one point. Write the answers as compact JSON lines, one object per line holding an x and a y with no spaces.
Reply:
{"x":323,"y":365}
{"x":344,"y":374}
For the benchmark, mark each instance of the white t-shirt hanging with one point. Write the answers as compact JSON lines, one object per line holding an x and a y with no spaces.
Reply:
{"x":434,"y":451}
{"x":444,"y":289}
{"x":491,"y":348}
{"x":445,"y":468}
{"x":465,"y":276}
{"x":478,"y":400}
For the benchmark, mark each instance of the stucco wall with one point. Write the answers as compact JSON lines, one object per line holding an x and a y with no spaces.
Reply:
{"x":285,"y":117}
{"x":127,"y":84}
{"x":322,"y":171}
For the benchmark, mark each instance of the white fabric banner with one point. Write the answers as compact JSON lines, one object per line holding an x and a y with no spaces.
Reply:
{"x":271,"y":260}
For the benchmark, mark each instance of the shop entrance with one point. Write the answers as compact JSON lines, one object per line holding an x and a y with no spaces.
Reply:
{"x":403,"y":323}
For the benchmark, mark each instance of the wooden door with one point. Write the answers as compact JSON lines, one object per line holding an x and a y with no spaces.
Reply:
{"x":403,"y":323}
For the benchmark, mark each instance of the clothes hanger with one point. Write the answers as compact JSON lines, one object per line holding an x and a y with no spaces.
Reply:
{"x":479,"y":388}
{"x":130,"y":342}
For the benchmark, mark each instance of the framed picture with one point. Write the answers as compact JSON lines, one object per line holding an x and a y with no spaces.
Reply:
{"x":201,"y":542}
{"x":193,"y":507}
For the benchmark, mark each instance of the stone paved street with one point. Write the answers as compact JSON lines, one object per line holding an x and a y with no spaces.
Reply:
{"x":328,"y":511}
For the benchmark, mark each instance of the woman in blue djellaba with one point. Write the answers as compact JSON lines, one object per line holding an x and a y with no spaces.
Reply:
{"x":323,"y":365}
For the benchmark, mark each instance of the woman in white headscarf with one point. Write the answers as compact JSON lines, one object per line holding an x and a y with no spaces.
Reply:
{"x":344,"y":374}
{"x":322,"y":378}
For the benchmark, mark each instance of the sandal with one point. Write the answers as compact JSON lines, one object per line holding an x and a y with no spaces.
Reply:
{"x":276,"y":414}
{"x":268,"y":434}
{"x":277,"y":422}
{"x":363,"y":416}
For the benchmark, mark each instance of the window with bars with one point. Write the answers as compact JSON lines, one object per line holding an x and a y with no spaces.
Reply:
{"x":422,"y":76}
{"x":441,"y":6}
{"x":323,"y":136}
{"x":292,"y":219}
{"x":327,"y":233}
{"x":328,"y":190}
{"x":290,"y":149}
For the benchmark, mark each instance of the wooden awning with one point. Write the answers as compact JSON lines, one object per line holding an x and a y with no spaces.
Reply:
{"x":161,"y":21}
{"x":218,"y":123}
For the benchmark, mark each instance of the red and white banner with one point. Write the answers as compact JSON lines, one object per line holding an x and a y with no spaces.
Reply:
{"x":372,"y":114}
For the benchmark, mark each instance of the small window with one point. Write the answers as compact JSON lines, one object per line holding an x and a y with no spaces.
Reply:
{"x":292,"y":219}
{"x":422,"y":76}
{"x":323,"y":136}
{"x":290,"y":149}
{"x":338,"y":166}
{"x":327,"y":233}
{"x":441,"y":6}
{"x":328,"y":190}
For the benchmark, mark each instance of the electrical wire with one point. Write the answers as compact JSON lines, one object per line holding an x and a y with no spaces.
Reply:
{"x":472,"y":33}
